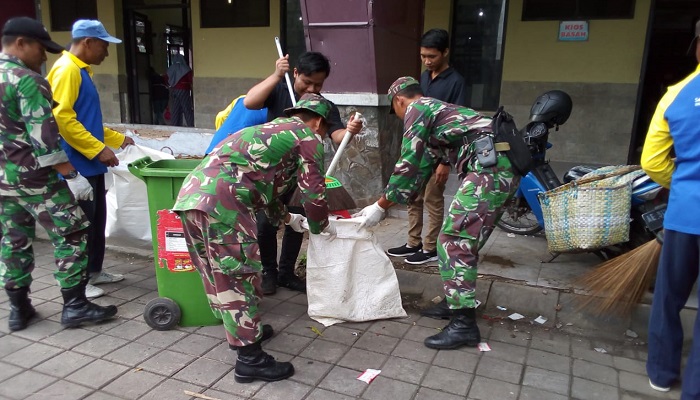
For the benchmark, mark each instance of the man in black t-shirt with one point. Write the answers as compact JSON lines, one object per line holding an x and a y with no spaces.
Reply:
{"x":309,"y":75}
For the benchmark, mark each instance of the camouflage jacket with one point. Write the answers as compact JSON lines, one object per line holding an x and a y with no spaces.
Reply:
{"x":29,"y":140}
{"x":434,"y":131}
{"x":251,"y":169}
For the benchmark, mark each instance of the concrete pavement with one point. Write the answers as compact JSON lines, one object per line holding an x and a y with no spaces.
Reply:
{"x":125,"y":359}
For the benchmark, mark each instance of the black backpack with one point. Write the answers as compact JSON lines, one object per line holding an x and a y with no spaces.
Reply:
{"x":519,"y":154}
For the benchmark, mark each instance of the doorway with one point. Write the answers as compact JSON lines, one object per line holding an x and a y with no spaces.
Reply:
{"x":667,"y":61}
{"x":154,"y":30}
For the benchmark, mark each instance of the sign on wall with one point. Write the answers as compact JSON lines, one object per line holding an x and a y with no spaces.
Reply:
{"x":573,"y":30}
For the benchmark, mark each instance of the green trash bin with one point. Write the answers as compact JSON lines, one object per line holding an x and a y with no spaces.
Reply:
{"x":182,"y":299}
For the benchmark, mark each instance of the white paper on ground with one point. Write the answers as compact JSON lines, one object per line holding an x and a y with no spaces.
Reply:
{"x":516,"y":316}
{"x":540,"y":320}
{"x":369,"y":375}
{"x":483,"y":346}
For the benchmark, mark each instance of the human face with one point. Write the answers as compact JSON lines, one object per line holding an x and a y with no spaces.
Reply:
{"x":308,"y":83}
{"x":32,"y":53}
{"x":433,"y":59}
{"x":96,"y":50}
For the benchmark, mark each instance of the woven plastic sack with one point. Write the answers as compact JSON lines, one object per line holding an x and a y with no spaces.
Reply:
{"x":591,"y":213}
{"x":350,"y":278}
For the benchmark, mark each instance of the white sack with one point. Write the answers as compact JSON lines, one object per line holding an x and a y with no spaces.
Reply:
{"x":350,"y":278}
{"x":128,"y":220}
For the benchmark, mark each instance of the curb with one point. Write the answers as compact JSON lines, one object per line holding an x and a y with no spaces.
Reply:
{"x":560,"y":307}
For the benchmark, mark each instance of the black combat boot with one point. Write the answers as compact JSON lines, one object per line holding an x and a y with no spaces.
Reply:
{"x":267,"y":333}
{"x":21,"y":309}
{"x":439,"y":311}
{"x":461,"y":331}
{"x":78,"y":309}
{"x":291,"y":282}
{"x":269,"y":283}
{"x":253,"y":363}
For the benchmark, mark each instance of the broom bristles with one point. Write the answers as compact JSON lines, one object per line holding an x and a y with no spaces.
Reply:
{"x":338,"y":199}
{"x":619,"y":283}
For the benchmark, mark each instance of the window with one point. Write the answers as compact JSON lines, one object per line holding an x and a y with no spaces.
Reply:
{"x":234,"y":13}
{"x":65,"y":12}
{"x":476,"y":49}
{"x":534,"y":10}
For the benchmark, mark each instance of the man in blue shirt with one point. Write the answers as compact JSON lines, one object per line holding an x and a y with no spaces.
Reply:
{"x":675,"y":127}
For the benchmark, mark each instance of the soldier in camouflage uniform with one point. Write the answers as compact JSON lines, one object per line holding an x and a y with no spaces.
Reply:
{"x":244,"y":174}
{"x":30,"y":189}
{"x":434,"y":131}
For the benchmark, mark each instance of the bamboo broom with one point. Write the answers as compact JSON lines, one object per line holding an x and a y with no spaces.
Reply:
{"x":618,"y":284}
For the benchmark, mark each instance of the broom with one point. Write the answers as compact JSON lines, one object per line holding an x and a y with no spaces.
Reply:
{"x":619,"y":283}
{"x":337,"y":197}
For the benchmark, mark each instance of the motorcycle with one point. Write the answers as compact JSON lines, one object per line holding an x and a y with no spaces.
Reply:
{"x":522,"y":214}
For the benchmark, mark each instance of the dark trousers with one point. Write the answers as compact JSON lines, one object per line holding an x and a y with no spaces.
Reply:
{"x":267,"y":240}
{"x":678,"y":272}
{"x":96,"y":212}
{"x":181,"y":107}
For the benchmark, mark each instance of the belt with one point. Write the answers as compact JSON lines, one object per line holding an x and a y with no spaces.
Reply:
{"x":501,"y":146}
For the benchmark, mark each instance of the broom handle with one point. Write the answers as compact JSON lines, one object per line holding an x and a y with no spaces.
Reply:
{"x":341,"y":148}
{"x":286,"y":75}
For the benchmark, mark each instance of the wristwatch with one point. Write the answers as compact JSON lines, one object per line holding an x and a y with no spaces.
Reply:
{"x":72,"y":174}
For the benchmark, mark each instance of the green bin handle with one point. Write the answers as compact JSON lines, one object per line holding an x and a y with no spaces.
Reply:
{"x":136,"y":166}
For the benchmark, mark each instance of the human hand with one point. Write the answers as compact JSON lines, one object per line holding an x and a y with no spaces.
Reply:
{"x":296,"y":222}
{"x":355,"y":124}
{"x":128,"y":141}
{"x":282,"y":66}
{"x":330,"y":230}
{"x":107,"y":157}
{"x":81,"y":188}
{"x":372,"y":213}
{"x":442,"y":173}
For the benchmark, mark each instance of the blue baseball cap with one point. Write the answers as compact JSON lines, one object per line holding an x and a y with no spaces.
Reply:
{"x":92,"y":28}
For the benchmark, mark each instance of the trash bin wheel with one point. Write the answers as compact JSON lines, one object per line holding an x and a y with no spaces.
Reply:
{"x":162,"y":314}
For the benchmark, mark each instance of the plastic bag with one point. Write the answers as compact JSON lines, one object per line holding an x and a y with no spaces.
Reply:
{"x":350,"y":278}
{"x":127,"y":201}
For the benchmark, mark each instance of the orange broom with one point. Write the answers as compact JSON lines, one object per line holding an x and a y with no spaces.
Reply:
{"x":618,"y":284}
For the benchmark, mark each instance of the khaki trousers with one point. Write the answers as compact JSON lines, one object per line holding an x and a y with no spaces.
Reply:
{"x":432,"y":199}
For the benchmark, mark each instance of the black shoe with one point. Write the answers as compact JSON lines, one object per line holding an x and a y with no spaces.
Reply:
{"x":292,"y":282}
{"x":439,"y":311}
{"x":21,"y":309}
{"x":461,"y":331}
{"x":78,"y":309}
{"x":403,"y":251}
{"x":422,"y":257}
{"x":269,"y":284}
{"x":267,"y":333}
{"x":253,"y":363}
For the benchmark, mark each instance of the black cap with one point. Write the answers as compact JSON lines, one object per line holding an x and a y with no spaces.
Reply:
{"x":31,"y":28}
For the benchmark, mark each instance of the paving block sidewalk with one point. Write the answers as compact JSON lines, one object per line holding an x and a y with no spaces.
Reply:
{"x":125,"y":359}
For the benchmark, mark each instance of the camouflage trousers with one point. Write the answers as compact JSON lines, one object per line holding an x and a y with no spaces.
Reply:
{"x":471,"y":218}
{"x":223,"y":264}
{"x":64,"y":221}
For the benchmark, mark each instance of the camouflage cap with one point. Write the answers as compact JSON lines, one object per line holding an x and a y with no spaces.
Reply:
{"x":312,"y":102}
{"x":401,"y":84}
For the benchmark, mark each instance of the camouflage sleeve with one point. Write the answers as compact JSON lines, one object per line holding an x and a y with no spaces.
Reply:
{"x":312,"y":184}
{"x":415,"y":165}
{"x":275,"y":211}
{"x":35,"y":103}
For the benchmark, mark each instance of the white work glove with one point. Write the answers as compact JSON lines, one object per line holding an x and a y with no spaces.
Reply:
{"x":330,"y":231}
{"x":296,"y":222}
{"x":81,"y":188}
{"x":372,"y":213}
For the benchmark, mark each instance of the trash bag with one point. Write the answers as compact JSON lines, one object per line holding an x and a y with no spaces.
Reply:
{"x":349,"y":277}
{"x":127,"y":201}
